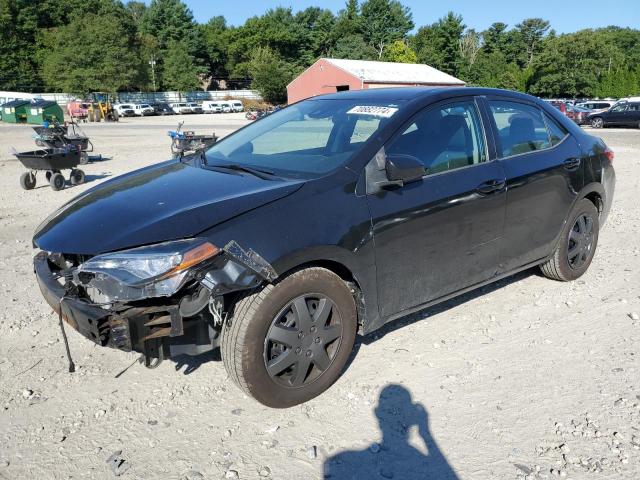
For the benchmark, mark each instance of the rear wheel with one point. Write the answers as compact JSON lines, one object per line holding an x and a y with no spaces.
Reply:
{"x":287,"y":343}
{"x":597,"y":122}
{"x":577,"y":245}
{"x":28,"y":180}
{"x":76,"y":177}
{"x":48,"y":175}
{"x":57,"y":181}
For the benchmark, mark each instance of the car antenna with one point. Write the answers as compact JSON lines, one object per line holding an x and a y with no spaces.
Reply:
{"x":72,"y":366}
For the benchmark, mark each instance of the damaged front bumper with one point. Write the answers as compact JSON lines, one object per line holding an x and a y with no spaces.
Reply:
{"x":188,"y":322}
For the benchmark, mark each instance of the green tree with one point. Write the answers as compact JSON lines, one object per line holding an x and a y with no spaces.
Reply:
{"x":355,"y":48}
{"x":170,"y":22}
{"x":383,"y":22}
{"x":400,"y":52}
{"x":91,"y":53}
{"x":19,"y":69}
{"x":495,"y":37}
{"x":270,"y":74}
{"x":180,"y":72}
{"x":438,"y":45}
{"x":532,"y":31}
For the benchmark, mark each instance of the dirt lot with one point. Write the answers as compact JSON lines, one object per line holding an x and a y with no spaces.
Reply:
{"x":526,"y":379}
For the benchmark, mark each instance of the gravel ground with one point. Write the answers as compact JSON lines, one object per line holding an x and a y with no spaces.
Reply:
{"x":528,"y":378}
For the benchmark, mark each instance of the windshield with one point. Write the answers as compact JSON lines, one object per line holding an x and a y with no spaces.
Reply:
{"x":305,"y":140}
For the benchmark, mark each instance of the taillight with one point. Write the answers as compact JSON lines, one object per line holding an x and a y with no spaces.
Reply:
{"x":609,"y":154}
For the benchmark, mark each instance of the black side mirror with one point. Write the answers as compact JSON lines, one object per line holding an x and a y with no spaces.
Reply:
{"x":401,"y":169}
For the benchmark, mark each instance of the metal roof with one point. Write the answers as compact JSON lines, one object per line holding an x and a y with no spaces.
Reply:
{"x":16,"y":103}
{"x":390,"y":72}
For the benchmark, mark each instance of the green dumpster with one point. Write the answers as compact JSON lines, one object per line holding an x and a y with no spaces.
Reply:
{"x":15,"y":111}
{"x":40,"y":110}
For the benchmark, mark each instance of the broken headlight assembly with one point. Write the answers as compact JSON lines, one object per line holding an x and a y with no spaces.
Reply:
{"x":145,"y":272}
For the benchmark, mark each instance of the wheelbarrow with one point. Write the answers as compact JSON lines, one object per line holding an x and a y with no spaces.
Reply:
{"x":52,"y":161}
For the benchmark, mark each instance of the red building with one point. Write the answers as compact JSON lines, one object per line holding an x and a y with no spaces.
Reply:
{"x":330,"y":75}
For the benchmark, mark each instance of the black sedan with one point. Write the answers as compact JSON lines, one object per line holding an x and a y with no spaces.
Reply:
{"x":626,"y":114}
{"x":162,"y":109}
{"x":328,"y":218}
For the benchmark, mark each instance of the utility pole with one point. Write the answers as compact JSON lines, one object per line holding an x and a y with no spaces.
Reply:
{"x":152,"y":62}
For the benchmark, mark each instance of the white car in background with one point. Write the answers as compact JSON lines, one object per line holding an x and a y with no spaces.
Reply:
{"x":209,"y":106}
{"x":143,"y":109}
{"x":195,"y":107}
{"x":596,"y":105}
{"x":237,"y":106}
{"x":181,"y":108}
{"x":125,"y":109}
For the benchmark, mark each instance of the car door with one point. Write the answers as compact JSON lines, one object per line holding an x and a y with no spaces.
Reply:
{"x":633,"y":115}
{"x":542,"y":164}
{"x":442,"y":233}
{"x":616,"y":115}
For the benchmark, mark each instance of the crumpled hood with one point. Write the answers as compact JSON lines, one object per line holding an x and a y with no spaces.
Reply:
{"x":168,"y":201}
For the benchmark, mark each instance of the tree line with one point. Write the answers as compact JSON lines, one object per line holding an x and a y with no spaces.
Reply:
{"x":81,"y":46}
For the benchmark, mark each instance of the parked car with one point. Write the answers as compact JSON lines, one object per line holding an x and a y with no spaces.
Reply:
{"x":226,"y":106}
{"x":181,"y":108}
{"x":209,"y":106}
{"x":332,"y":216}
{"x":626,"y":114}
{"x":596,"y":105}
{"x":195,"y":108}
{"x":577,"y":114}
{"x":237,"y":106}
{"x":143,"y":110}
{"x":124,"y":109}
{"x":162,"y":109}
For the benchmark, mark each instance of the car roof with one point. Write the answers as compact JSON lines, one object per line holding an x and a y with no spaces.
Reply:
{"x":413,"y":93}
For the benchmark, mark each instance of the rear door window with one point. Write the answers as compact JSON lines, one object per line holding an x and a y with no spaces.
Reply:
{"x":521,"y":127}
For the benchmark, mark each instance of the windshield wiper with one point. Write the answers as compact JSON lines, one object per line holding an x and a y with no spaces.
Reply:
{"x":257,"y":172}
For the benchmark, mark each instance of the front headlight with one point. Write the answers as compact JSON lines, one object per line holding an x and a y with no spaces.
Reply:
{"x":144,"y":272}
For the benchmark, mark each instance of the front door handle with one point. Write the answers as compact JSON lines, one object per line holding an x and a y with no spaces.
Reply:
{"x":571,"y":163}
{"x":491,"y":186}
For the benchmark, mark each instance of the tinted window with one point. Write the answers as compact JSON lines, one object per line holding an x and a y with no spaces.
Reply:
{"x":443,"y":138}
{"x":556,"y":131}
{"x":634,"y":107}
{"x":520,"y":127}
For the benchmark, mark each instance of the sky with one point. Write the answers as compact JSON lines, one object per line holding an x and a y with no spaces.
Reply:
{"x":565,"y":15}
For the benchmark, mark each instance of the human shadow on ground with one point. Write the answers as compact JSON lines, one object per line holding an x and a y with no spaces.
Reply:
{"x":394,"y":456}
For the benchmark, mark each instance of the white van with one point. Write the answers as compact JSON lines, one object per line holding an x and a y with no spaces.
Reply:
{"x":211,"y":107}
{"x":237,"y":106}
{"x":226,"y":106}
{"x":143,"y":109}
{"x":181,"y":108}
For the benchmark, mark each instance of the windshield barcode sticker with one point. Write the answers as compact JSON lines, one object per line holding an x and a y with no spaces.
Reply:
{"x":384,"y":112}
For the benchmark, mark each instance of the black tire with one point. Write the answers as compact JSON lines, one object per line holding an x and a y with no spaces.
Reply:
{"x":48,"y":174}
{"x":575,"y":249}
{"x":57,"y":181}
{"x":597,"y":122}
{"x":28,"y":181}
{"x":76,"y":177}
{"x":246,"y":346}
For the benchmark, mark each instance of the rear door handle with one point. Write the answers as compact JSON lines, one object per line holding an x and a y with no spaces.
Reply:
{"x":491,"y":186}
{"x":571,"y":163}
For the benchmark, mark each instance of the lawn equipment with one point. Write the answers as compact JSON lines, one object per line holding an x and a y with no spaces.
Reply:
{"x":60,"y":136}
{"x":185,"y":143}
{"x":52,"y":161}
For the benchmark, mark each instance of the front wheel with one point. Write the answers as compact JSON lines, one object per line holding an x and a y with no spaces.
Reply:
{"x":56,"y":181}
{"x":77,"y":177}
{"x":577,"y":245}
{"x":28,"y":181}
{"x":597,"y":122}
{"x":289,"y":342}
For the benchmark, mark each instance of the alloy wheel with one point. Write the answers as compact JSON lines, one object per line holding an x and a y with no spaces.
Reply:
{"x":580,"y":243}
{"x":303,"y":340}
